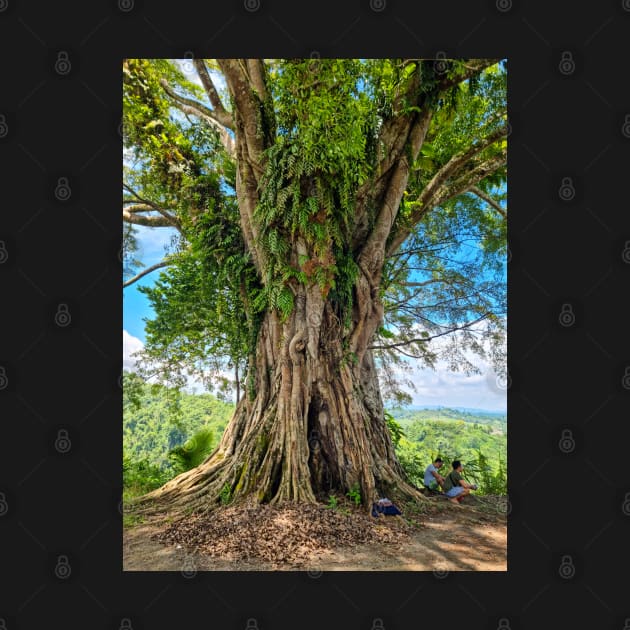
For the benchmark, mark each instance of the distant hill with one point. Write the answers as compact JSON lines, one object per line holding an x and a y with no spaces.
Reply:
{"x":405,"y":416}
{"x":152,"y":426}
{"x":156,"y":424}
{"x":473,"y":410}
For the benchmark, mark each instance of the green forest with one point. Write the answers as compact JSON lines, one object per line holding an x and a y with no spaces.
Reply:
{"x":479,"y":440}
{"x":166,"y":432}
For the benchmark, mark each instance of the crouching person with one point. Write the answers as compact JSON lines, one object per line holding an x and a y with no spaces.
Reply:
{"x":455,"y":486}
{"x":432,"y":478}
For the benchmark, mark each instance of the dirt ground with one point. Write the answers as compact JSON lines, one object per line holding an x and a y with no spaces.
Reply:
{"x":446,"y":538}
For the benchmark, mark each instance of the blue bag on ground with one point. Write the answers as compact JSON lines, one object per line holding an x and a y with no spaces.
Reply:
{"x":386,"y":507}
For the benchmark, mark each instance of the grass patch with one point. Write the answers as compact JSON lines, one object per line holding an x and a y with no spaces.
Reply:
{"x":129,"y":518}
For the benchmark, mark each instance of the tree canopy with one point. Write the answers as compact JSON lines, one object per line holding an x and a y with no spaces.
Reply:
{"x":323,"y":143}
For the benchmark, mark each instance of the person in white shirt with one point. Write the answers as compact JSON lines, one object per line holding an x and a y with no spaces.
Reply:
{"x":432,"y":478}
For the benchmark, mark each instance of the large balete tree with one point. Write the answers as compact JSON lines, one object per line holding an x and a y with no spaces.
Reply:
{"x":315,"y":201}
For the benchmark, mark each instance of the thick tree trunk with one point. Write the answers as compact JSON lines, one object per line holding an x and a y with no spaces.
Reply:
{"x":312,"y":424}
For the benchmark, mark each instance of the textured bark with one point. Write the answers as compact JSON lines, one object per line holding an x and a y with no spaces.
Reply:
{"x":314,"y":426}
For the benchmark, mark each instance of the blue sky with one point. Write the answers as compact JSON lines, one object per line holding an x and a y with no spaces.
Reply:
{"x":153,"y":243}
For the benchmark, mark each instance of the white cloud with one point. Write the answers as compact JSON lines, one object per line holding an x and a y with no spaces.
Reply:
{"x":441,"y":386}
{"x":131,"y":344}
{"x":454,"y":389}
{"x":187,"y":67}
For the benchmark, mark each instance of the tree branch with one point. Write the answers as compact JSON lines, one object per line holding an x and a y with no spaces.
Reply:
{"x":196,"y":105}
{"x":457,"y":162}
{"x":249,"y":151}
{"x":489,"y":200}
{"x":438,"y":190}
{"x":248,"y":108}
{"x":422,"y":284}
{"x":149,"y":221}
{"x":472,"y":67}
{"x":407,"y":342}
{"x":148,"y":270}
{"x":194,"y":108}
{"x":139,"y":207}
{"x":405,"y":129}
{"x":417,"y":136}
{"x":476,"y":174}
{"x":256,"y":71}
{"x":130,"y":217}
{"x":222,"y":116}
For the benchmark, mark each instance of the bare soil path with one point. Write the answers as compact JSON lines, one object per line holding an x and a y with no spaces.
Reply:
{"x":444,"y":538}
